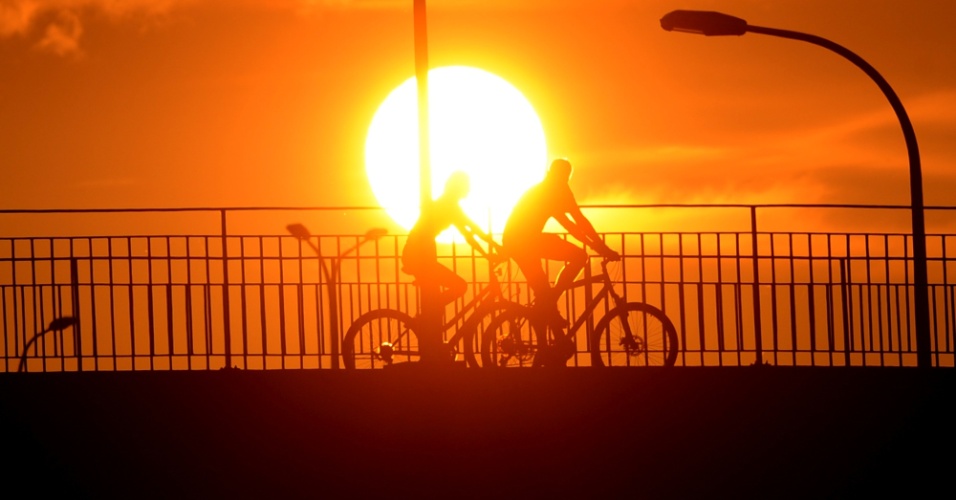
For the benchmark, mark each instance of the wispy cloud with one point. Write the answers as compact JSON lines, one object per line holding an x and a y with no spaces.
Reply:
{"x":16,"y":16}
{"x":62,"y":36}
{"x":56,"y":26}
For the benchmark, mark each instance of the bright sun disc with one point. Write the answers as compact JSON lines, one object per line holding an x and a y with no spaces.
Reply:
{"x":480,"y":124}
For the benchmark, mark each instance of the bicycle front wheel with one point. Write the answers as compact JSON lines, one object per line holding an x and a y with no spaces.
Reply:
{"x":634,"y":334}
{"x":379,"y":338}
{"x":510,"y":340}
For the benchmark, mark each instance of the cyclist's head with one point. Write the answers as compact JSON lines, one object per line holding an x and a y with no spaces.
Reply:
{"x":457,"y":185}
{"x":560,"y":169}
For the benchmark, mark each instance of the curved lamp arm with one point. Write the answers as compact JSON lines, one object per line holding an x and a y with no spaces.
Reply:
{"x":57,"y":325}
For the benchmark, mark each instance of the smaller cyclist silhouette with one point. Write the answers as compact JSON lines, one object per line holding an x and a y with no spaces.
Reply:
{"x":526,"y":242}
{"x":418,"y":255}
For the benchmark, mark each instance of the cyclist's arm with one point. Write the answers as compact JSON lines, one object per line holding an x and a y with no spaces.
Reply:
{"x":471,"y":232}
{"x":585,"y":232}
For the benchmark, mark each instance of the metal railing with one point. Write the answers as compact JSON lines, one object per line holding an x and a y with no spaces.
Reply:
{"x":230,"y":294}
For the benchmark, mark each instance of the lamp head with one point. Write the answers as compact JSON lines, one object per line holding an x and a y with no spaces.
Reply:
{"x":61,"y":323}
{"x":703,"y":22}
{"x":299,"y":231}
{"x":375,"y":233}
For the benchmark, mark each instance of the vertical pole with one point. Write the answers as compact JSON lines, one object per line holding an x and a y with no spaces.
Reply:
{"x":431,"y":314}
{"x":758,"y":331}
{"x":225,"y":289}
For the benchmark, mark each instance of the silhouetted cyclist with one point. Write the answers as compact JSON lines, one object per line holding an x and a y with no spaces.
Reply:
{"x":418,"y":255}
{"x":525,"y":241}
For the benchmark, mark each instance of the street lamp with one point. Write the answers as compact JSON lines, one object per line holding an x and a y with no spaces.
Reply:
{"x":301,"y":233}
{"x":717,"y":24}
{"x":57,"y":325}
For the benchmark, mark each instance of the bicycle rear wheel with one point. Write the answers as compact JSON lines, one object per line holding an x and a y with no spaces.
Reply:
{"x":634,"y":334}
{"x":379,"y":338}
{"x":479,"y":322}
{"x":510,"y":341}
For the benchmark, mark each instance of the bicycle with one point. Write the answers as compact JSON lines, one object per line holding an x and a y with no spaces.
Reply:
{"x":629,"y":334}
{"x":384,"y":337}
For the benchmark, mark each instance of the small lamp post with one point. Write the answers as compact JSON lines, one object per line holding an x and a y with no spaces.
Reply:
{"x":709,"y":23}
{"x":57,"y":325}
{"x":301,"y":233}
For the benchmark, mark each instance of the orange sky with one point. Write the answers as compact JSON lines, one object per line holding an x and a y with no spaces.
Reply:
{"x":173,"y":103}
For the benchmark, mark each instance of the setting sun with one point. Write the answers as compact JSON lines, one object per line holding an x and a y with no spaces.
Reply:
{"x":480,"y":124}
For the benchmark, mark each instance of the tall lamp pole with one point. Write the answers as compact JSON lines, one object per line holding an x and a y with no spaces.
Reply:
{"x":431,"y":315}
{"x":717,"y":24}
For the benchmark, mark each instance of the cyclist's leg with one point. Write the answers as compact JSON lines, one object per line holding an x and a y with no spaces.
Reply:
{"x":529,"y":261}
{"x":432,"y":273}
{"x":573,"y":256}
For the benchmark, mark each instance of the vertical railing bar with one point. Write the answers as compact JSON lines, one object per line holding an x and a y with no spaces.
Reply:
{"x":190,"y":333}
{"x":300,"y":307}
{"x":283,"y":348}
{"x":243,"y":302}
{"x":739,"y":297}
{"x":948,"y":319}
{"x":112,"y":286}
{"x":909,"y":319}
{"x":755,"y":255}
{"x":23,"y":318}
{"x":226,"y":313}
{"x":320,"y":314}
{"x":38,"y":309}
{"x":75,"y":292}
{"x":831,"y":309}
{"x":720,"y":301}
{"x":886,"y":320}
{"x":899,"y":314}
{"x":19,"y":313}
{"x":888,"y":333}
{"x":93,"y":321}
{"x":170,"y":305}
{"x":681,"y":298}
{"x":150,"y":304}
{"x":811,"y":301}
{"x":845,"y":294}
{"x":262,"y":304}
{"x":701,"y":325}
{"x":663,"y":269}
{"x":56,"y":303}
{"x":774,"y":316}
{"x":208,"y":336}
{"x":131,"y":305}
{"x":851,"y":337}
{"x":340,"y":312}
{"x":869,"y":294}
{"x":6,"y":320}
{"x":794,"y":348}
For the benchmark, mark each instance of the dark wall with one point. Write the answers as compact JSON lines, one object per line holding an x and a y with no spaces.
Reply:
{"x":765,"y":432}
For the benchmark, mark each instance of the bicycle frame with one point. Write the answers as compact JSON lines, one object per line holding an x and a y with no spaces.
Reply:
{"x":489,"y":294}
{"x":607,"y":288}
{"x":472,"y":313}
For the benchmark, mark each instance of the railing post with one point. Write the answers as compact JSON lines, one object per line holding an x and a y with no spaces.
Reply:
{"x":758,"y":333}
{"x":227,"y":333}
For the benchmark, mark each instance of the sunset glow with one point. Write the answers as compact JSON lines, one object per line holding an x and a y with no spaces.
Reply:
{"x":480,"y":124}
